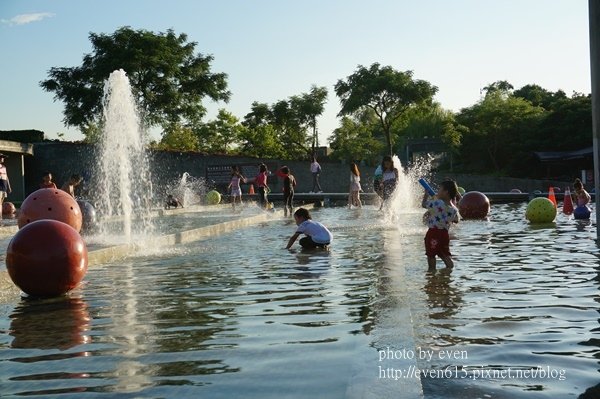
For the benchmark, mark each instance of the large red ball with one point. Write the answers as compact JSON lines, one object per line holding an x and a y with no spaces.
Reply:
{"x":50,"y":203}
{"x":8,"y":208}
{"x":46,"y":258}
{"x":474,"y":205}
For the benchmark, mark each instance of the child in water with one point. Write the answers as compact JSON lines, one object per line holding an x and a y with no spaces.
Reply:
{"x":317,"y":235}
{"x":234,"y":185}
{"x":172,"y":202}
{"x":47,"y":181}
{"x":582,"y":197}
{"x":389,"y":179}
{"x":441,"y":213}
{"x":261,"y":183}
{"x":73,"y":182}
{"x":289,"y":183}
{"x":354,"y":197}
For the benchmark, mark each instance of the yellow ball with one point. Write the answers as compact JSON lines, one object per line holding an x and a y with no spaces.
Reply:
{"x":213,"y":197}
{"x":461,"y":190}
{"x":540,"y":210}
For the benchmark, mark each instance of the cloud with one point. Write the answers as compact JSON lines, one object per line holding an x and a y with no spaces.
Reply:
{"x":23,"y":19}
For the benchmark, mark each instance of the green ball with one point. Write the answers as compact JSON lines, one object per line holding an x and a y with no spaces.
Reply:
{"x":213,"y":197}
{"x":461,"y":190}
{"x":540,"y":210}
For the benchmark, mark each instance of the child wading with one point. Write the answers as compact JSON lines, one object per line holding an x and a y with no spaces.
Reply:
{"x":236,"y":179}
{"x":47,"y":181}
{"x":582,"y":197}
{"x":389,"y":179}
{"x":261,"y":183}
{"x":441,"y":213}
{"x":289,"y":183}
{"x":317,"y":235}
{"x":354,"y":197}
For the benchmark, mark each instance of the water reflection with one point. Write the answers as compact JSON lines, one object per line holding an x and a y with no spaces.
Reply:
{"x":60,"y":323}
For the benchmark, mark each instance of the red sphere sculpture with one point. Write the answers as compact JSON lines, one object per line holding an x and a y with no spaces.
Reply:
{"x":8,"y":208}
{"x":50,"y":203}
{"x":46,"y":258}
{"x":474,"y":205}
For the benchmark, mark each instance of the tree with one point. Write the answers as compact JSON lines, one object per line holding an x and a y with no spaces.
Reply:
{"x":221,"y":135}
{"x":308,"y":106}
{"x":290,"y":120}
{"x":355,"y":139}
{"x":431,"y":122}
{"x":168,"y":79}
{"x":389,"y":93}
{"x":501,"y":127}
{"x":179,"y":138}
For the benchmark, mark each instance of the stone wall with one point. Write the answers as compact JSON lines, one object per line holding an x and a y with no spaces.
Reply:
{"x":65,"y":158}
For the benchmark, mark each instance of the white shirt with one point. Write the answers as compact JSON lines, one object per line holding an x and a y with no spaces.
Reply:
{"x":316,"y":231}
{"x":354,"y":178}
{"x":314,"y":167}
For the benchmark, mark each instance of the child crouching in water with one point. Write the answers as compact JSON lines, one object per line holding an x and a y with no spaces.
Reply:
{"x":441,"y":213}
{"x":317,"y":235}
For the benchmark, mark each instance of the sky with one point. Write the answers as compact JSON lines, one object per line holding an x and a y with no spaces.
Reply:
{"x":273,"y":49}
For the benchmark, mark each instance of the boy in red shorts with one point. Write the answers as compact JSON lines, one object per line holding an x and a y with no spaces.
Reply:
{"x":441,"y":213}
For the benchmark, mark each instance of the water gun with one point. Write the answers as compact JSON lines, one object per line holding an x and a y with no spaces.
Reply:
{"x":427,"y":187}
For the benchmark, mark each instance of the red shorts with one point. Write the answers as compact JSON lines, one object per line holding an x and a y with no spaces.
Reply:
{"x":437,"y":242}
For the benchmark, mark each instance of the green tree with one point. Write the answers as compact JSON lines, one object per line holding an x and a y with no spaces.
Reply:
{"x":308,"y":106}
{"x":291,"y":120}
{"x":179,"y":138}
{"x":261,"y":142}
{"x":221,"y":135}
{"x":539,"y":96}
{"x":500,"y":131}
{"x":355,"y":139}
{"x":389,"y":93}
{"x":168,"y":78}
{"x":432,"y":122}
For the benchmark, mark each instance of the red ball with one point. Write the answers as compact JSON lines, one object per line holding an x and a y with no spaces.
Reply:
{"x":50,"y":203}
{"x":474,"y":205}
{"x":46,"y":258}
{"x":8,"y":208}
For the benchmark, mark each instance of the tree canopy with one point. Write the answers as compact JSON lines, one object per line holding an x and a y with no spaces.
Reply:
{"x":389,"y":93}
{"x":168,"y":77}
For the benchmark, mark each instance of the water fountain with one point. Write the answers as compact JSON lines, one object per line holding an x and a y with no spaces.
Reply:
{"x":123,"y":178}
{"x":188,"y":189}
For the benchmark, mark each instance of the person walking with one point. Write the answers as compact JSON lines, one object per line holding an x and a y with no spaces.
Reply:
{"x":315,"y":169}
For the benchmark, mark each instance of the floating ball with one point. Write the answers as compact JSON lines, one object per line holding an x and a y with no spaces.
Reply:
{"x":582,"y":212}
{"x":8,"y":208}
{"x":474,"y":205}
{"x":88,"y":216}
{"x":46,"y":258}
{"x":50,"y":203}
{"x":540,"y":210}
{"x":516,"y":191}
{"x":460,"y":190}
{"x":213,"y":197}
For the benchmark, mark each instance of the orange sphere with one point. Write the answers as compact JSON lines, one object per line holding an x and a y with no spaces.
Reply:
{"x":8,"y":208}
{"x":46,"y":258}
{"x":474,"y":205}
{"x":50,"y":203}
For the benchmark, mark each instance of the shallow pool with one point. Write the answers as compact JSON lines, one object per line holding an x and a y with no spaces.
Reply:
{"x":239,"y":316}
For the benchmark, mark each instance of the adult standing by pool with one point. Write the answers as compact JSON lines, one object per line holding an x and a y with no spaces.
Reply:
{"x":4,"y":182}
{"x":315,"y":169}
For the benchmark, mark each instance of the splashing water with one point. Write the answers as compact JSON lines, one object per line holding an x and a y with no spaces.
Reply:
{"x":189,"y":189}
{"x":124,"y":188}
{"x":407,"y":196}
